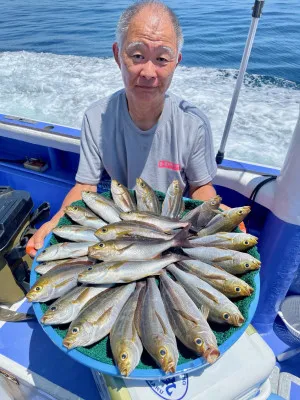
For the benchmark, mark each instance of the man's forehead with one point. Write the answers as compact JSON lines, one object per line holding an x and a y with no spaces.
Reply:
{"x":136,"y":45}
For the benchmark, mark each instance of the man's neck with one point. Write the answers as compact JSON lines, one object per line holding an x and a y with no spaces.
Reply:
{"x":145,"y":115}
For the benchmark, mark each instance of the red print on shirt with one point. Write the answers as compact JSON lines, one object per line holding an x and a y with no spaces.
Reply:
{"x":169,"y":165}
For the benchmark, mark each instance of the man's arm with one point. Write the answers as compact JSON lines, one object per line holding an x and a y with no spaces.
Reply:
{"x":203,"y":193}
{"x":37,"y":240}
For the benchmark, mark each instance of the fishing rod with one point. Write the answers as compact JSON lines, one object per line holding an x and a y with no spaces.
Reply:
{"x":256,"y":13}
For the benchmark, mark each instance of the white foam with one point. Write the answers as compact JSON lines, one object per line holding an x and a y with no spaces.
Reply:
{"x":57,"y":89}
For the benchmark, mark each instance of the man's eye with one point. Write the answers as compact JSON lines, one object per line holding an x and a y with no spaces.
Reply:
{"x":137,"y":57}
{"x":162,"y":59}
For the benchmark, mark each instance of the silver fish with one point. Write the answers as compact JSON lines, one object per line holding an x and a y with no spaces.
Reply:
{"x":122,"y":197}
{"x":131,"y":229}
{"x":67,"y":307}
{"x":200,"y":216}
{"x":65,"y":250}
{"x":221,"y":309}
{"x":225,"y":221}
{"x":146,"y":198}
{"x":173,"y":204}
{"x":97,"y":319}
{"x":227,"y":240}
{"x":136,"y":250}
{"x":139,"y":309}
{"x":75,"y":233}
{"x":156,"y":333}
{"x":125,"y":343}
{"x":166,"y":224}
{"x":55,"y":283}
{"x":217,"y":277}
{"x":46,"y":266}
{"x":187,"y":321}
{"x":84,"y":217}
{"x":232,"y":261}
{"x":125,"y":271}
{"x":102,"y":206}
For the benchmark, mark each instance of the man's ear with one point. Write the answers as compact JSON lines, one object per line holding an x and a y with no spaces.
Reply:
{"x":179,"y":58}
{"x":115,"y":49}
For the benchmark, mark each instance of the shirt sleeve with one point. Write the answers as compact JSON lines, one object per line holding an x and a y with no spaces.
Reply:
{"x":90,"y":164}
{"x":202,"y":167}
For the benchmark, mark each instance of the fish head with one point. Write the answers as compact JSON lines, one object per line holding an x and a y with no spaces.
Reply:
{"x":238,"y":214}
{"x":242,"y":289}
{"x":175,"y":187}
{"x":251,"y":265}
{"x":93,"y":274}
{"x":211,"y":354}
{"x":166,"y":354}
{"x":128,"y":215}
{"x":103,"y":250}
{"x":234,"y":318}
{"x":117,"y":188}
{"x":57,"y":314}
{"x":107,"y":232}
{"x":73,"y":211}
{"x":48,"y":253}
{"x":128,"y":356}
{"x":142,"y":187}
{"x":78,"y":333}
{"x":249,"y":241}
{"x":215,"y":202}
{"x":40,"y":291}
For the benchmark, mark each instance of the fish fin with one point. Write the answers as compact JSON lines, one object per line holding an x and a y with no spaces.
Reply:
{"x":127,"y":247}
{"x":181,"y":238}
{"x":83,"y":295}
{"x":218,"y":212}
{"x":218,"y":267}
{"x":103,"y":318}
{"x":215,"y":276}
{"x":161,"y":323}
{"x":92,"y":218}
{"x":209,"y":295}
{"x":205,"y":311}
{"x":219,"y":259}
{"x":222,"y":235}
{"x":64,"y":282}
{"x":186,"y":316}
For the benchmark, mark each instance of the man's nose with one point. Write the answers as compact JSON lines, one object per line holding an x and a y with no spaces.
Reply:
{"x":148,"y":70}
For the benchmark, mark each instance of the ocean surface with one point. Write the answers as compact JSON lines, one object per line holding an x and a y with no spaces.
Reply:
{"x":56,"y":59}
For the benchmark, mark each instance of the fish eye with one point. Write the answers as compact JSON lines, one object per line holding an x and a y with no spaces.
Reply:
{"x":123,"y":356}
{"x":53,"y":308}
{"x":119,"y":184}
{"x":75,"y":208}
{"x":44,"y":251}
{"x":226,"y":316}
{"x":162,"y":352}
{"x":247,"y":265}
{"x":75,"y":330}
{"x":101,"y":245}
{"x":104,"y":230}
{"x":143,"y":185}
{"x":198,"y":341}
{"x":237,"y":289}
{"x":240,"y":212}
{"x":38,"y":288}
{"x":246,"y":242}
{"x":43,"y":263}
{"x":90,"y":268}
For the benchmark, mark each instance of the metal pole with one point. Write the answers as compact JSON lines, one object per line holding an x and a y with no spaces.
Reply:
{"x":257,"y":9}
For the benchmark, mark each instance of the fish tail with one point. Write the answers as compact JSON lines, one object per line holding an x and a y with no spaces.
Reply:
{"x":181,"y":238}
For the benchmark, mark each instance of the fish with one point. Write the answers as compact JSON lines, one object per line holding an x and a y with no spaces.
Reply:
{"x":173,"y":204}
{"x":55,"y":283}
{"x":221,"y":309}
{"x":122,"y":197}
{"x":84,"y":216}
{"x":131,"y":229}
{"x":139,"y":308}
{"x":65,"y":250}
{"x":126,"y":271}
{"x":157,"y":335}
{"x":225,"y":221}
{"x":66,"y":308}
{"x":136,"y":249}
{"x":146,"y":198}
{"x":97,"y":318}
{"x":200,"y":216}
{"x":188,"y":322}
{"x":232,"y":261}
{"x":14,"y":316}
{"x":217,"y":277}
{"x":46,"y":266}
{"x":75,"y":233}
{"x":125,"y":343}
{"x":102,"y":206}
{"x":165,"y":224}
{"x":227,"y":240}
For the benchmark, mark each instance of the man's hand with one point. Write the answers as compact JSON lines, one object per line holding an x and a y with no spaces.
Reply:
{"x":36,"y":241}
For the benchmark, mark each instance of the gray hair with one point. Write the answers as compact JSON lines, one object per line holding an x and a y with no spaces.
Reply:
{"x":132,"y":10}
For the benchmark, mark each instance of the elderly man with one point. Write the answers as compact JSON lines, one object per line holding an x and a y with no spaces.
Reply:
{"x":143,"y":131}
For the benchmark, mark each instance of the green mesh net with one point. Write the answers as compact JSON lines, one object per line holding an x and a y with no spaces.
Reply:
{"x":101,"y":351}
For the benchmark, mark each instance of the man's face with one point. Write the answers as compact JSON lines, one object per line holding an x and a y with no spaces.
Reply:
{"x":148,"y":56}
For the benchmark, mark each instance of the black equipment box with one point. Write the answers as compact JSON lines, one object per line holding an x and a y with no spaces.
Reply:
{"x":15,"y":207}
